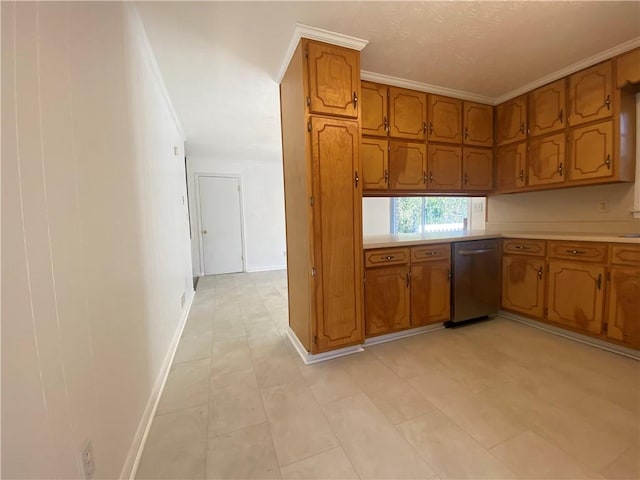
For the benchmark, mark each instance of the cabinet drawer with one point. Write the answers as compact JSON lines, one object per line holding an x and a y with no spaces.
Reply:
{"x":581,"y":251}
{"x":386,"y":256}
{"x":441,"y":251}
{"x":525,"y":246}
{"x":625,"y":254}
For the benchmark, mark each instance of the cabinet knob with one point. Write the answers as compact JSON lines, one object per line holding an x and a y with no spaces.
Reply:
{"x":466,"y":178}
{"x":430,"y":177}
{"x":560,"y":169}
{"x":522,"y":127}
{"x":576,"y":252}
{"x":540,"y":273}
{"x":430,"y":128}
{"x":386,"y":124}
{"x":424,"y":127}
{"x":355,"y":100}
{"x":607,"y":102}
{"x":521,"y":176}
{"x":607,"y":161}
{"x":466,"y":133}
{"x":386,"y":176}
{"x":560,"y":117}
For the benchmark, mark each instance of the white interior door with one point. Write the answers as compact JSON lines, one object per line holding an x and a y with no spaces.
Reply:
{"x":220,"y":224}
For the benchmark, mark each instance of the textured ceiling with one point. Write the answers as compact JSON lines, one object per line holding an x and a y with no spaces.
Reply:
{"x":483,"y":48}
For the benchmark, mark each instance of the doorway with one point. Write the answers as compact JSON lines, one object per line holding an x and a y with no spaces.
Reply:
{"x":220,"y":224}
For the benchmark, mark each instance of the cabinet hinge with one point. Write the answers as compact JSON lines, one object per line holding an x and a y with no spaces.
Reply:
{"x":546,"y":311}
{"x":306,"y":54}
{"x":308,"y":101}
{"x":315,"y":339}
{"x":605,"y":327}
{"x":309,"y":126}
{"x":313,"y":271}
{"x":311,"y":201}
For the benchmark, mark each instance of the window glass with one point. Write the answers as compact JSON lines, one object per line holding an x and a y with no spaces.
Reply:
{"x":428,"y":214}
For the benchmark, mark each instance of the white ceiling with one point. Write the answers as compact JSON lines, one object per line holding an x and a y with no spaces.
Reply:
{"x":482,"y":48}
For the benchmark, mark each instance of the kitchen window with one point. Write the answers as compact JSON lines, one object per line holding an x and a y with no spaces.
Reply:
{"x":429,"y":214}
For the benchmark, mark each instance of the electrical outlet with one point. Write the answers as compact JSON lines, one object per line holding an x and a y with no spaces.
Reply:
{"x":603,"y":206}
{"x":88,"y":461}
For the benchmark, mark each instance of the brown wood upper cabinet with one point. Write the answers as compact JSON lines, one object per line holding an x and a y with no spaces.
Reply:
{"x":444,"y":163}
{"x":407,"y":166}
{"x":547,"y":108}
{"x":407,"y":114}
{"x":547,"y":160}
{"x":445,"y":119}
{"x":511,"y":121}
{"x":591,"y":150}
{"x":375,"y":163}
{"x":591,"y":94}
{"x":511,"y":168}
{"x":374,"y":118}
{"x":334,"y":79}
{"x":477,"y":120}
{"x":628,"y":68}
{"x":477,"y":169}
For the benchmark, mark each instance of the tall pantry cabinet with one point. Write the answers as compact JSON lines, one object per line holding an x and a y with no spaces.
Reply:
{"x":319,"y":100}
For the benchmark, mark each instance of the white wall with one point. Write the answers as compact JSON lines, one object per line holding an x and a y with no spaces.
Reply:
{"x":262,"y":204}
{"x":565,"y":210}
{"x":376,"y":216}
{"x":95,"y":246}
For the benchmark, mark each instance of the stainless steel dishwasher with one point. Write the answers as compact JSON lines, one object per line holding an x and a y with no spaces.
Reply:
{"x":476,"y":280}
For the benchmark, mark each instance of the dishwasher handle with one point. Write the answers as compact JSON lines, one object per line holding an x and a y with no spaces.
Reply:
{"x":475,"y":252}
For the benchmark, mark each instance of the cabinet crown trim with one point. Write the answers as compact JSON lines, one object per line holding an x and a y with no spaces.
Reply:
{"x":424,"y":87}
{"x":573,"y":68}
{"x":321,"y":35}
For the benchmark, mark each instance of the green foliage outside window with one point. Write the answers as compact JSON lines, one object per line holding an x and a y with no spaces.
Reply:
{"x":416,"y":214}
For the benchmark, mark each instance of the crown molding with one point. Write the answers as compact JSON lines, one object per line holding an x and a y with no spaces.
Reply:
{"x":424,"y":87}
{"x":134,"y":16}
{"x":314,"y":33}
{"x":557,"y":75}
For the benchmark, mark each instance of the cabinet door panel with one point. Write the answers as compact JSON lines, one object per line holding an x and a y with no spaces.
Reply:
{"x":444,"y":165}
{"x":407,"y":114}
{"x":547,"y":108}
{"x":591,"y":94}
{"x":623,"y":313}
{"x":477,"y":169}
{"x":510,"y":167}
{"x":375,"y":164}
{"x":337,"y":232}
{"x":591,"y":151}
{"x":407,"y":166}
{"x":628,"y":68}
{"x":576,"y":295}
{"x":374,"y":109}
{"x":386,"y":300}
{"x":430,"y":292}
{"x":511,"y":121}
{"x":523,"y":285}
{"x":334,"y":79}
{"x":445,"y":119}
{"x":478,"y":124}
{"x":547,"y":160}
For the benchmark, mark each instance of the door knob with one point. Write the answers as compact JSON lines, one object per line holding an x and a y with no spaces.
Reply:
{"x":204,"y":232}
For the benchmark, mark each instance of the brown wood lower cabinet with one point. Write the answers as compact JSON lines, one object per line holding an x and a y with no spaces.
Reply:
{"x":576,"y":295}
{"x":406,"y":287}
{"x":430,"y":292}
{"x":623,"y":311}
{"x":386,"y":299}
{"x":523,"y":285}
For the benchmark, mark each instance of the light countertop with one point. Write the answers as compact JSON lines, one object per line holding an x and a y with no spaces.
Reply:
{"x":386,"y":241}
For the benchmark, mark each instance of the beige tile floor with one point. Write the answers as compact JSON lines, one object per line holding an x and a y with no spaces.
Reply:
{"x":491,"y":400}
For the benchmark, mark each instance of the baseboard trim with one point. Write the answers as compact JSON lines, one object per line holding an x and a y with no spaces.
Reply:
{"x":593,"y":342}
{"x":310,"y":359}
{"x":267,"y":269}
{"x":140,"y":439}
{"x":389,"y":337}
